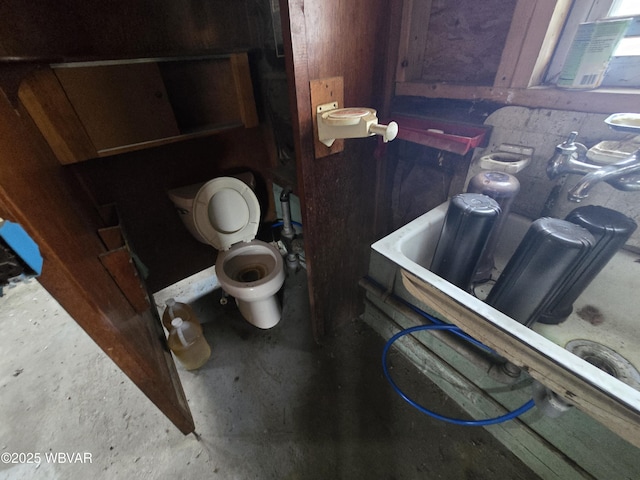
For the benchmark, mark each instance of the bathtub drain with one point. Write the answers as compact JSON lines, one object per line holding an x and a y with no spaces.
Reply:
{"x":607,"y":360}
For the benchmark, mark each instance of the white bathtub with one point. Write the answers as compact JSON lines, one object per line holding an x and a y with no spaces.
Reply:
{"x":615,"y":292}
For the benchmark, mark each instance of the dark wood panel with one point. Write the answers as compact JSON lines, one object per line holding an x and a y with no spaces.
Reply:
{"x":35,"y":192}
{"x":119,"y":104}
{"x":338,"y":192}
{"x":122,"y":269}
{"x":120,"y":28}
{"x":42,"y":95}
{"x":202,"y":92}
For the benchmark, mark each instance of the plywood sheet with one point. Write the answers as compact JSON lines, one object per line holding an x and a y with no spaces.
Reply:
{"x":42,"y":96}
{"x":119,"y":104}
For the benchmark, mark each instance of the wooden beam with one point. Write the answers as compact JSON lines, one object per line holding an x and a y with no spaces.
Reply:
{"x":244,"y":89}
{"x":515,"y":41}
{"x":534,"y":31}
{"x":120,"y":266}
{"x":413,"y":39}
{"x":595,"y":101}
{"x":553,"y":14}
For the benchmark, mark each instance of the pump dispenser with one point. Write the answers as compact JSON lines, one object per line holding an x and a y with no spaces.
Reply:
{"x":359,"y":122}
{"x":188,"y":344}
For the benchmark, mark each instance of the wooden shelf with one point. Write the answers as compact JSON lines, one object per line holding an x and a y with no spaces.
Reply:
{"x":97,"y":109}
{"x":204,"y":131}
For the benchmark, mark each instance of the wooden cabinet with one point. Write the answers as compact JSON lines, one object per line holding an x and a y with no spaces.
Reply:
{"x":95,"y":109}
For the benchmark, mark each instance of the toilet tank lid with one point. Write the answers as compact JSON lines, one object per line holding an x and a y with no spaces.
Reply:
{"x":183,"y":196}
{"x":225,"y":212}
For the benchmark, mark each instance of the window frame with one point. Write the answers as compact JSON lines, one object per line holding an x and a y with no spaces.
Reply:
{"x":536,"y":29}
{"x":589,"y":11}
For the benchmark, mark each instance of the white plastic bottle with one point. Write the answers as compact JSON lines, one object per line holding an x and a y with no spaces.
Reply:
{"x":188,"y":344}
{"x":178,"y":309}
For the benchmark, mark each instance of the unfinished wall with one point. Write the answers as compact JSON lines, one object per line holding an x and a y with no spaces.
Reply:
{"x":465,"y":40}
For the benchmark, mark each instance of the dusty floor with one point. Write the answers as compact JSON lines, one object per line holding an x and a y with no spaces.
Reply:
{"x":268,"y":405}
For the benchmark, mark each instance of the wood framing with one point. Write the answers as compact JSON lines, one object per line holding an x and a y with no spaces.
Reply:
{"x":600,"y":101}
{"x":534,"y":32}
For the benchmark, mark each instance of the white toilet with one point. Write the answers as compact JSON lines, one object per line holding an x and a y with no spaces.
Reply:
{"x":225,"y":213}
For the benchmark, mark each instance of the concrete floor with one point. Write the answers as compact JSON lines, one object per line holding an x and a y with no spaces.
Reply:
{"x":268,"y":405}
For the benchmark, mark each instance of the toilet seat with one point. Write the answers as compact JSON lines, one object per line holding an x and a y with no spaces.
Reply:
{"x":225,"y":212}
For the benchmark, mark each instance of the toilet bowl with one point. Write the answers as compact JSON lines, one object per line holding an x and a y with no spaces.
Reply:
{"x":253,"y":274}
{"x":225,"y":213}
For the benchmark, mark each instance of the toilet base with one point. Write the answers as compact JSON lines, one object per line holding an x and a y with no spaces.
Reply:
{"x":263,"y":314}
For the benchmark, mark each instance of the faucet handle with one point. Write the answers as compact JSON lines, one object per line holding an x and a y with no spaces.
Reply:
{"x":569,"y":144}
{"x":388,"y":132}
{"x":571,"y":138}
{"x":571,"y":147}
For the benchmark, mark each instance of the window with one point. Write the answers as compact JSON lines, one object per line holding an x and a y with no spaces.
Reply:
{"x":531,"y":59}
{"x":624,"y":8}
{"x":601,"y":22}
{"x":630,"y":44}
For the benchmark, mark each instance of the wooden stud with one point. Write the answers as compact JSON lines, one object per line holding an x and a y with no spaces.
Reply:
{"x":413,"y":39}
{"x":244,"y":89}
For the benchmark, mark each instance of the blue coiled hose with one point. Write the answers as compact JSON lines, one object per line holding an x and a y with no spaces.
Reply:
{"x":470,"y":423}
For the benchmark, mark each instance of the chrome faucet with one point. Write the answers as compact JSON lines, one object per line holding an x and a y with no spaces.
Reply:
{"x":569,"y":158}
